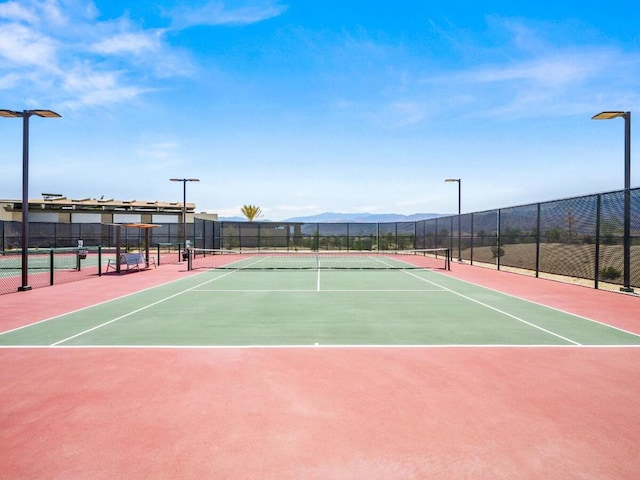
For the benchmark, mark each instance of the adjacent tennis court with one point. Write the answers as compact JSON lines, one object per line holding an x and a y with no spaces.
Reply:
{"x":290,"y":366}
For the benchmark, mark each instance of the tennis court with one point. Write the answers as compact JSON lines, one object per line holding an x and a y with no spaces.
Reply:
{"x":296,"y":370}
{"x":318,"y":307}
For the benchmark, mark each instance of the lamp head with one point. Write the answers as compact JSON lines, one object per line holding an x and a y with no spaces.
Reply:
{"x":27,"y":113}
{"x":609,"y":115}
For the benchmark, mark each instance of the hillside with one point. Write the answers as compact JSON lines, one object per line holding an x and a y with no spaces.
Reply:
{"x":332,"y":217}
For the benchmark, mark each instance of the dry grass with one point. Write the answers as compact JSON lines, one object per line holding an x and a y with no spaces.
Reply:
{"x":563,"y":262}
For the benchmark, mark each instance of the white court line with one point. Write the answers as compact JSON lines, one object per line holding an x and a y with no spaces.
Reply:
{"x":139,"y":310}
{"x":194,"y":288}
{"x":486,"y":305}
{"x":613,"y":327}
{"x":98,"y":304}
{"x":312,"y":346}
{"x":386,"y":290}
{"x":440,"y":288}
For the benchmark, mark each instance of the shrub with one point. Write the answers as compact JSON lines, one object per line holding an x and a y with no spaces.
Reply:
{"x":610,"y":273}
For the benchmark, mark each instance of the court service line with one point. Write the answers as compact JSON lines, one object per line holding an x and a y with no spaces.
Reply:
{"x":104,"y":324}
{"x":486,"y":305}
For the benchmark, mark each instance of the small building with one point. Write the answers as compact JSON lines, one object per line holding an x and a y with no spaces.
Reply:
{"x":60,"y":209}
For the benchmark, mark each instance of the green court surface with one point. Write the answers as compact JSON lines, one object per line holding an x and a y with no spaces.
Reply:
{"x":38,"y":262}
{"x":318,"y":308}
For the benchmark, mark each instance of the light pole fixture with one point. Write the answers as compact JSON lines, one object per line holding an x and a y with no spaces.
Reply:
{"x":627,"y":192}
{"x":184,"y":206}
{"x":459,"y":212}
{"x":25,"y":115}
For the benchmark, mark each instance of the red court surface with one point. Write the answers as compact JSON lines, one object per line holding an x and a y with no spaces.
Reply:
{"x":320,"y":413}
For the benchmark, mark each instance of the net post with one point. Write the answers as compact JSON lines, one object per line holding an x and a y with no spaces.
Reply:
{"x":189,"y":259}
{"x":99,"y":260}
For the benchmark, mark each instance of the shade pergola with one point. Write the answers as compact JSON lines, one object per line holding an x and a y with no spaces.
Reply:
{"x":143,"y":226}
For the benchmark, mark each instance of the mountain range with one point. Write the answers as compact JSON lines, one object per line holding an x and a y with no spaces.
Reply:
{"x":332,"y":217}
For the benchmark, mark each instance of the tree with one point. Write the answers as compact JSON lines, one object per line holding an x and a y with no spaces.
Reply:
{"x":252,"y":212}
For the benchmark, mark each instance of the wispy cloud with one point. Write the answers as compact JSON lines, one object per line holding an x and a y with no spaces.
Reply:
{"x":533,"y":76}
{"x":15,"y":11}
{"x":136,"y":43}
{"x":88,"y":88}
{"x":94,"y":63}
{"x":565,"y":82}
{"x":61,"y":51}
{"x":24,"y":46}
{"x":218,"y":13}
{"x":514,"y":67}
{"x":551,"y":71}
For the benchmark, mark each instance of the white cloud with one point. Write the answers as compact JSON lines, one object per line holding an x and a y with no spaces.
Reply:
{"x":217,"y":13}
{"x":17,"y":12}
{"x":52,"y":12}
{"x":137,"y":43}
{"x":41,"y":55}
{"x":564,"y":81}
{"x":107,"y":96}
{"x":20,"y":46}
{"x":90,"y":88}
{"x":553,"y":70}
{"x":9,"y":81}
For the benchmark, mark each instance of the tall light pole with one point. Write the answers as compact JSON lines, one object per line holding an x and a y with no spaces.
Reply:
{"x":627,"y":192}
{"x":184,"y":206}
{"x":25,"y":115}
{"x":459,"y":212}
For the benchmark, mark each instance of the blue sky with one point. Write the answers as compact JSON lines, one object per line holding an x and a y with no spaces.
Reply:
{"x":303,"y":107}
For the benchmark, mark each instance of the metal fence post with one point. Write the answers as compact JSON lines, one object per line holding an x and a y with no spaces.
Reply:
{"x":51,"y":268}
{"x":538,"y":236}
{"x":498,"y":239}
{"x":596,"y":262}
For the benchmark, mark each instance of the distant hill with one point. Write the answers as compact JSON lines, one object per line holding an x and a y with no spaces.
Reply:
{"x":332,"y":217}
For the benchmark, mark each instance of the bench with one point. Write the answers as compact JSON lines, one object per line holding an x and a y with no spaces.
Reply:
{"x":133,"y":261}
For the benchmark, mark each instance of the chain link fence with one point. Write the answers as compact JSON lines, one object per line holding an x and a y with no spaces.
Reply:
{"x":577,"y":239}
{"x":47,"y":254}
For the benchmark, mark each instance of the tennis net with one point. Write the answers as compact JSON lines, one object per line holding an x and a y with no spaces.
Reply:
{"x":62,"y":258}
{"x":436,"y":258}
